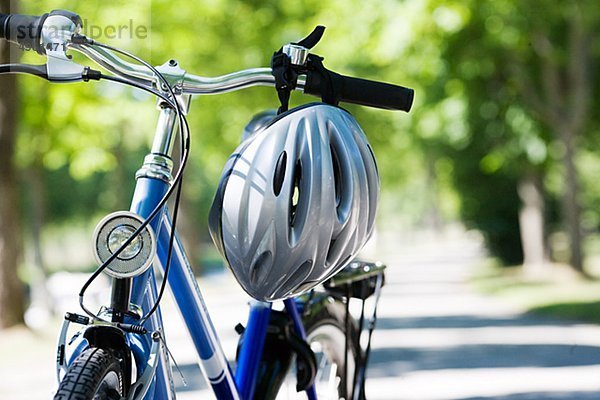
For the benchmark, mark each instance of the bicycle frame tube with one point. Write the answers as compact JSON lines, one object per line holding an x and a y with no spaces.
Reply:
{"x":190,"y":302}
{"x":153,"y":182}
{"x":252,"y":348}
{"x":212,"y":361}
{"x":292,"y":310}
{"x":148,"y":193}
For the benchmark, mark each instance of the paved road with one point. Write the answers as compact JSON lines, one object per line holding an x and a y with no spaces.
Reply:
{"x":436,"y":339}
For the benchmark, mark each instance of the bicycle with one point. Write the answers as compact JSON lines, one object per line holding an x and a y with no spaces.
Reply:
{"x":121,"y":352}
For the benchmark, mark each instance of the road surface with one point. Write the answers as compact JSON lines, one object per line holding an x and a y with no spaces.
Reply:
{"x":436,"y":338}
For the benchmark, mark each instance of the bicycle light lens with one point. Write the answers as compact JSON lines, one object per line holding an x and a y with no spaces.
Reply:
{"x":119,"y":236}
{"x":112,"y":233}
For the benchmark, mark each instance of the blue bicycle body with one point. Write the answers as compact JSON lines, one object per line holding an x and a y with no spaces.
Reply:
{"x":188,"y":298}
{"x":142,"y":294}
{"x":138,"y":295}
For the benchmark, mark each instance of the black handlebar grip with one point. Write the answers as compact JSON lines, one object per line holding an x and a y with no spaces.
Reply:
{"x":3,"y":20}
{"x":361,"y":91}
{"x":24,"y":30}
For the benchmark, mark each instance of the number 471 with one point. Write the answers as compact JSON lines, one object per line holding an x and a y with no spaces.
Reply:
{"x":56,"y":47}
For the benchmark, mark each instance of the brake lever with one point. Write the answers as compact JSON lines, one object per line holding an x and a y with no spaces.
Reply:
{"x":313,"y":38}
{"x":58,"y":30}
{"x":60,"y":68}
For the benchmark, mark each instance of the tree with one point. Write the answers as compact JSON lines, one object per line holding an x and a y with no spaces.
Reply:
{"x":523,"y":71}
{"x":11,"y":290}
{"x":561,"y":97}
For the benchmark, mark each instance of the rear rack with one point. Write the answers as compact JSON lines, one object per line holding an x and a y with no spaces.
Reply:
{"x":358,"y":279}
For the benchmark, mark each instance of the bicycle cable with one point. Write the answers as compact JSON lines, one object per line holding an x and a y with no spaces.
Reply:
{"x":177,"y":199}
{"x":184,"y":129}
{"x":23,"y":68}
{"x":136,"y":85}
{"x":177,"y":181}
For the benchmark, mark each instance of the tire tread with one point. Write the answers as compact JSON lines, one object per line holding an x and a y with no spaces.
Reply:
{"x":86,"y":373}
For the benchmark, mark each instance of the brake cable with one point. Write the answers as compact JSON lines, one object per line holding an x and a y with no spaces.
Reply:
{"x":177,"y":181}
{"x":184,"y":131}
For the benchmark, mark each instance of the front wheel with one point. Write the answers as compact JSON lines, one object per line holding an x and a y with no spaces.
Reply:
{"x":95,"y":374}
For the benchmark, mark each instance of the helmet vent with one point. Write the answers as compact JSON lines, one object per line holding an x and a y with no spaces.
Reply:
{"x":279,"y":174}
{"x":295,"y":192}
{"x":265,"y":259}
{"x":337,"y":176}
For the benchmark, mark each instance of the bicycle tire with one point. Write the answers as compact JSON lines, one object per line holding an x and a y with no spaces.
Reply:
{"x":95,"y":374}
{"x":326,"y":334}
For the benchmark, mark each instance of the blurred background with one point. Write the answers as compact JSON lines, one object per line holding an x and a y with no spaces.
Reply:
{"x":501,"y":145}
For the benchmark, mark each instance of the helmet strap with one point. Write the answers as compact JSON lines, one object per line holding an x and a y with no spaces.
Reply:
{"x":286,"y":74}
{"x":285,"y":78}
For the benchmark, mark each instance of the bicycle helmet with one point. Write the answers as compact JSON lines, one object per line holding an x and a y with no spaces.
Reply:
{"x":296,"y":201}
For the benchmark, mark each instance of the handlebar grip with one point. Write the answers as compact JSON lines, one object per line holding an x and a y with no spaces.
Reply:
{"x":24,"y":30}
{"x":362,"y":91}
{"x":3,"y":20}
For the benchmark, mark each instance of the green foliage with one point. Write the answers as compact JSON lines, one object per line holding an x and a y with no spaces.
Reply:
{"x":89,"y":139}
{"x":481,"y":114}
{"x":470,"y":137}
{"x":575,"y":311}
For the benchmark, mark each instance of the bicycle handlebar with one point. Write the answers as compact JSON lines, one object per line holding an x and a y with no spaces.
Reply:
{"x":363,"y":92}
{"x":24,"y":30}
{"x":36,"y":33}
{"x":188,"y":83}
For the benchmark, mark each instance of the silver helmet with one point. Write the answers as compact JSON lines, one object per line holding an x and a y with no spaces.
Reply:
{"x":296,"y":201}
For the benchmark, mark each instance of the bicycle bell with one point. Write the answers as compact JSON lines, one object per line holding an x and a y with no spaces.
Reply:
{"x":112,"y":232}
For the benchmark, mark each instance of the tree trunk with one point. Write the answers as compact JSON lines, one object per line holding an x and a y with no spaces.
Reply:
{"x":570,"y":202}
{"x":531,"y":224}
{"x":433,"y":215}
{"x":578,"y":106}
{"x":41,"y":300}
{"x":566,"y":109}
{"x":11,"y":288}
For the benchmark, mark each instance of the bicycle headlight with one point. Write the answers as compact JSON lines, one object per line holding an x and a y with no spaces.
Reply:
{"x":112,"y":232}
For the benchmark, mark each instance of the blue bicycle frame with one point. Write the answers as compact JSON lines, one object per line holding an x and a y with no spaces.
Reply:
{"x":149,"y":191}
